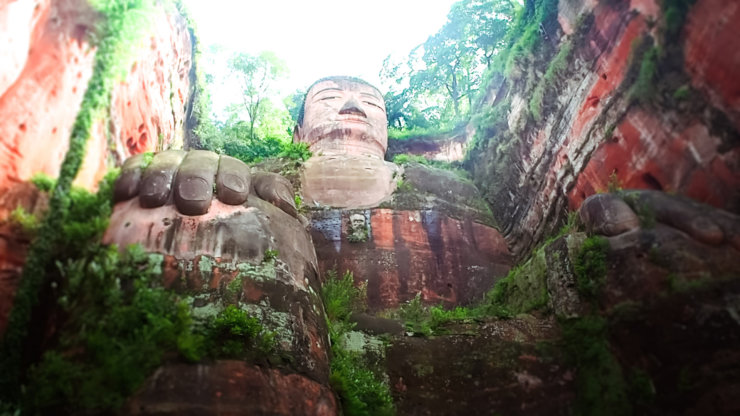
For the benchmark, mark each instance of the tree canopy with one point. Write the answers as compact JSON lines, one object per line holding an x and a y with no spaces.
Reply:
{"x":437,"y":82}
{"x":256,"y":124}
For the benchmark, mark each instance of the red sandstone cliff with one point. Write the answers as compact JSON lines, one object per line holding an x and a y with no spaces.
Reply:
{"x":598,"y":124}
{"x":45,"y":64}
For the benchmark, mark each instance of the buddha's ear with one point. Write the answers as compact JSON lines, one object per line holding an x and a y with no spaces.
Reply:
{"x":297,"y":133}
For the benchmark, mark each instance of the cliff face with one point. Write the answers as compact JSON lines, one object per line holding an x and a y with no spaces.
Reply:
{"x":45,"y":64}
{"x":625,"y":94}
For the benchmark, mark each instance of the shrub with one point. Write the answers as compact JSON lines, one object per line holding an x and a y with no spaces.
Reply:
{"x":590,"y":267}
{"x":360,"y":389}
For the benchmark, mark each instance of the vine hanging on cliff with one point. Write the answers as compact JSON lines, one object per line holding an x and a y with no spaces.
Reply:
{"x":120,"y":29}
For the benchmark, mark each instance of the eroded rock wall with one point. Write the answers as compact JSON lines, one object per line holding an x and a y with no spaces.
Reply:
{"x":45,"y":64}
{"x":614,"y":94}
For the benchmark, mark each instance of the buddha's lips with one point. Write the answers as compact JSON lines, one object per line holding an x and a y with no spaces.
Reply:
{"x":353,"y":119}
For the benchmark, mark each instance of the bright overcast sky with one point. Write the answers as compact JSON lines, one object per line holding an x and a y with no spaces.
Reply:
{"x":318,"y":38}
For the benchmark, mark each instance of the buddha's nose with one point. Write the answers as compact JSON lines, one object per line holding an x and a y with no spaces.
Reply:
{"x":352,"y":107}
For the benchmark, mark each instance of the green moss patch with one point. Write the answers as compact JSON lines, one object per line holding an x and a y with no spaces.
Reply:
{"x":600,"y":383}
{"x":360,"y":387}
{"x":590,"y":267}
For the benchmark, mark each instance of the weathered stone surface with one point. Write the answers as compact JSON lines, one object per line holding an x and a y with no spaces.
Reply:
{"x":156,"y":185}
{"x":346,"y":181}
{"x":712,"y":54}
{"x":408,"y":252}
{"x":647,"y":152}
{"x":255,"y":256}
{"x":46,"y":64}
{"x":230,"y":388}
{"x":267,"y":291}
{"x":647,"y":262}
{"x":687,"y":345}
{"x":488,"y":368}
{"x":445,"y":147}
{"x":592,"y":133}
{"x":230,"y":232}
{"x":149,"y":108}
{"x":701,"y":222}
{"x":430,"y":188}
{"x":607,"y":214}
{"x":39,"y":105}
{"x":563,"y":298}
{"x":195,"y":182}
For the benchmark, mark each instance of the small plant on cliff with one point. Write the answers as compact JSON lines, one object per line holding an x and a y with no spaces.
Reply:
{"x":590,"y":267}
{"x":644,"y":87}
{"x":342,"y":297}
{"x":361,"y":390}
{"x":28,"y":222}
{"x":416,"y":317}
{"x":614,"y":185}
{"x":601,"y":386}
{"x":682,"y":93}
{"x":270,"y":255}
{"x":403,"y":158}
{"x":235,"y":334}
{"x":296,"y":151}
{"x":558,"y":64}
{"x":43,"y":182}
{"x":119,"y":322}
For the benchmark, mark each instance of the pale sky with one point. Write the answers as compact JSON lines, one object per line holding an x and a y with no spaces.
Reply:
{"x":318,"y":38}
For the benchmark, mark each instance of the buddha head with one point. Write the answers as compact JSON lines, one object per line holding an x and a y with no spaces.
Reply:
{"x":343,"y":115}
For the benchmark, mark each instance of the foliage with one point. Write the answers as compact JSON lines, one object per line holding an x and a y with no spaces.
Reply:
{"x":358,"y":236}
{"x":682,"y":93}
{"x":644,"y":87}
{"x":270,"y":255}
{"x":362,"y":391}
{"x":232,"y":138}
{"x":527,"y":31}
{"x":256,"y":76}
{"x":416,"y":316}
{"x":119,"y":322}
{"x":674,"y":16}
{"x":235,"y":334}
{"x":115,"y":37}
{"x":405,"y":158}
{"x":601,"y":386}
{"x":398,"y":133}
{"x":522,"y":290}
{"x":437,"y":82}
{"x":26,"y":220}
{"x":558,"y":64}
{"x":43,"y":182}
{"x":256,"y":127}
{"x":296,"y":151}
{"x":342,"y":297}
{"x":590,"y":266}
{"x":614,"y":185}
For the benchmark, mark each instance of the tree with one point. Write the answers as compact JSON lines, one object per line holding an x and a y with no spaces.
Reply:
{"x":294,"y":104}
{"x":256,"y":75}
{"x":443,"y":74}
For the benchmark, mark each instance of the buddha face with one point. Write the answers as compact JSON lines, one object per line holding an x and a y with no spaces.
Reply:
{"x":344,"y":116}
